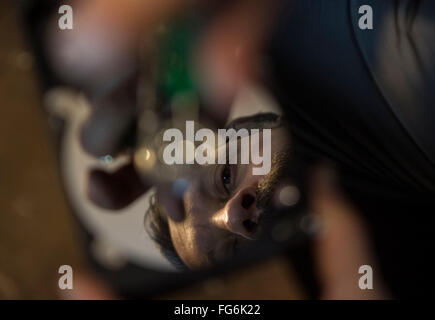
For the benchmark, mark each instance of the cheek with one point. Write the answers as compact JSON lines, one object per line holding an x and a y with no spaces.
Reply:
{"x":191,"y":244}
{"x":200,"y":204}
{"x":181,"y":240}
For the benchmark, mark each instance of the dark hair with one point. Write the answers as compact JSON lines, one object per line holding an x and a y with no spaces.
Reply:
{"x":156,"y":224}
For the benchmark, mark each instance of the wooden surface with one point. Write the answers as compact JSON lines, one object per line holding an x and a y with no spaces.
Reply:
{"x":36,"y":229}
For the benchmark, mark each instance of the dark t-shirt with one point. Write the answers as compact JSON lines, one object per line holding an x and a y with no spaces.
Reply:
{"x":365,"y":99}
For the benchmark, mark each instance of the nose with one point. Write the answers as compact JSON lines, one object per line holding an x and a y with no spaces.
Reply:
{"x":240,"y":214}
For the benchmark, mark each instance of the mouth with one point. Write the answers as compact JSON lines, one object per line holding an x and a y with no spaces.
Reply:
{"x":252,"y":227}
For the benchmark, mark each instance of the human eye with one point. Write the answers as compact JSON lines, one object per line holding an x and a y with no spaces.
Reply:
{"x":226,"y":178}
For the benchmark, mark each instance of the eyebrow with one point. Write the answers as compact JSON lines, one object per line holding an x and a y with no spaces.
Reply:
{"x":262,"y":120}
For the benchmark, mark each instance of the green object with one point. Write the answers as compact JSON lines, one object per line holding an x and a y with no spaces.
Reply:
{"x":175,"y":58}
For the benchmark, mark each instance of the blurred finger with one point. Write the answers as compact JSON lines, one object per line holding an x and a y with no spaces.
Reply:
{"x":343,"y":245}
{"x":112,"y":119}
{"x":171,"y":203}
{"x":228,"y":54}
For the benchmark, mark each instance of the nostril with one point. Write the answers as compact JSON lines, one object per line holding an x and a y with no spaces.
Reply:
{"x":250,"y":226}
{"x":247,"y":201}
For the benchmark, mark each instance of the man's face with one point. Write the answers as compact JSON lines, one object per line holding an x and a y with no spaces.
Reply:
{"x":221,"y":208}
